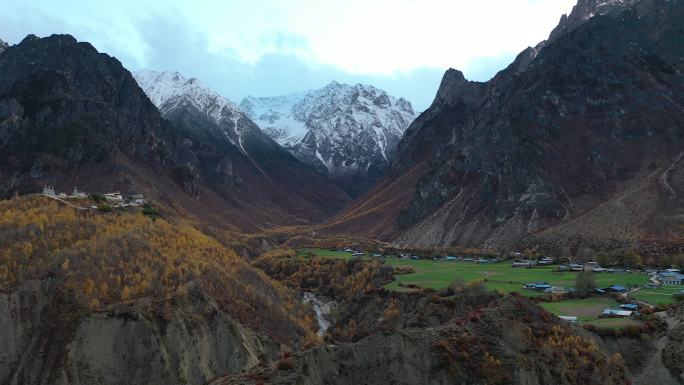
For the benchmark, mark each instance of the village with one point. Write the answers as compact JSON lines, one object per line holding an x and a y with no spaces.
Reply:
{"x":112,"y":199}
{"x":617,"y":297}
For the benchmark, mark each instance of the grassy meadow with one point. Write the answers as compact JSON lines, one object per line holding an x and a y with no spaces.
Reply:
{"x":497,"y":276}
{"x":661,"y":295}
{"x":588,"y":309}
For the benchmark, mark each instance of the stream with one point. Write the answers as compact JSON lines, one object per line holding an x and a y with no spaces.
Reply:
{"x":322,"y":310}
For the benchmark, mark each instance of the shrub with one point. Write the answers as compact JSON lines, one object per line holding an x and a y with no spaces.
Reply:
{"x":103,"y":208}
{"x":285,"y":363}
{"x":151,"y":212}
{"x":399,"y":270}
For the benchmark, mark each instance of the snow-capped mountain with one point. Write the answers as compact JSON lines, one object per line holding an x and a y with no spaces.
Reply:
{"x":348,"y":132}
{"x":235,"y":158}
{"x":172,"y":92}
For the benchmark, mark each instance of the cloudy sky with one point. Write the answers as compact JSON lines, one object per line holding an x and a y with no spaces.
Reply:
{"x":272,"y":47}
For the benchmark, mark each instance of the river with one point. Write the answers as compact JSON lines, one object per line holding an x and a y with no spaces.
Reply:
{"x":322,"y":310}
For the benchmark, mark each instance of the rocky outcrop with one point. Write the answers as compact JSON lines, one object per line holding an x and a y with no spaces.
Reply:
{"x":585,"y":10}
{"x":455,"y":89}
{"x":48,"y":339}
{"x":3,"y":45}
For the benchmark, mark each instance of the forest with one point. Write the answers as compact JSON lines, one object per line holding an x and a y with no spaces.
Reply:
{"x":107,"y":258}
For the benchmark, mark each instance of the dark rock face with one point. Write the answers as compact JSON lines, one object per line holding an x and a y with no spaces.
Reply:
{"x":3,"y":46}
{"x":594,"y":118}
{"x":65,"y":106}
{"x":70,"y":116}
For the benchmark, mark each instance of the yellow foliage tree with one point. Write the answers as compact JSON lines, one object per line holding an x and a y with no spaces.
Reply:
{"x":125,"y":293}
{"x":88,"y":287}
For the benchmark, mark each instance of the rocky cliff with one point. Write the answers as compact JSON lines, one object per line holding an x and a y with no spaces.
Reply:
{"x":48,"y":339}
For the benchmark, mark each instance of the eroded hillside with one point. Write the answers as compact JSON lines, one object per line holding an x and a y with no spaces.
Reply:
{"x":91,"y":297}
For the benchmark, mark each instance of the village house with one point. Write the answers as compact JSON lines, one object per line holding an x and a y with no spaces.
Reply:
{"x":616,"y":289}
{"x":556,"y":290}
{"x":525,"y":263}
{"x":668,"y":278}
{"x":545,"y":261}
{"x":114,"y":198}
{"x":539,"y":286}
{"x":616,"y":313}
{"x":571,"y":267}
{"x":629,"y":306}
{"x":138,"y":202}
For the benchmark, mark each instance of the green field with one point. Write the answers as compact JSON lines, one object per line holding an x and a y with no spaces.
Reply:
{"x":613,"y":323}
{"x":498,"y":276}
{"x":326,"y":253}
{"x":657,"y":296}
{"x":584,"y":309}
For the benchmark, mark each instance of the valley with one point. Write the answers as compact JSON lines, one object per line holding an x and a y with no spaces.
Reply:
{"x":525,"y":229}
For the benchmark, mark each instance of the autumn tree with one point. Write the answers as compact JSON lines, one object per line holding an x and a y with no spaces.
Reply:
{"x":88,"y":286}
{"x":125,"y":293}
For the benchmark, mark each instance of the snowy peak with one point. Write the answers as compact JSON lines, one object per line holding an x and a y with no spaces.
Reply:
{"x":170,"y":91}
{"x":162,"y":87}
{"x":287,"y":118}
{"x":345,"y":131}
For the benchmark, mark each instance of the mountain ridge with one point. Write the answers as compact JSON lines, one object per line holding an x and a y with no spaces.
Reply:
{"x":347,"y":132}
{"x":71,"y":116}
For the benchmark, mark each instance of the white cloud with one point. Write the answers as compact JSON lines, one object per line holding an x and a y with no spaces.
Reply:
{"x":377,"y":36}
{"x":356,"y":36}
